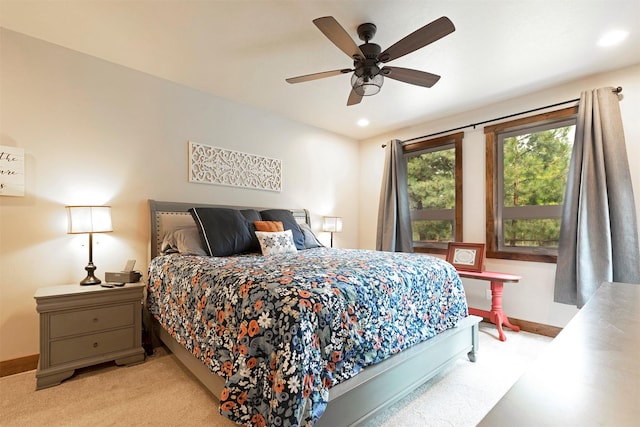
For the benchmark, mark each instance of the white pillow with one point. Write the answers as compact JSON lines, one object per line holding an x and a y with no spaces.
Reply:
{"x":279,"y":242}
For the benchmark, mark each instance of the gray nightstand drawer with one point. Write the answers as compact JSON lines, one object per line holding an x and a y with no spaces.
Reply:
{"x":68,"y":350}
{"x":93,"y":320}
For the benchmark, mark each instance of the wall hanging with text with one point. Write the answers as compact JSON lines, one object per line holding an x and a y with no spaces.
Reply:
{"x":11,"y":171}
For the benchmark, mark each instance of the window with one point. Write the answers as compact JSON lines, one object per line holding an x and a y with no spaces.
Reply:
{"x":434,"y":187}
{"x":527,"y":169}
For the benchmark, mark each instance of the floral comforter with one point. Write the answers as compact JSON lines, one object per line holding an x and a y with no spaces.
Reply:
{"x":284,"y":329}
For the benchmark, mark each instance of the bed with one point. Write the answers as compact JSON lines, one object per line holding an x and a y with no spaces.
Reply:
{"x":295,"y":338}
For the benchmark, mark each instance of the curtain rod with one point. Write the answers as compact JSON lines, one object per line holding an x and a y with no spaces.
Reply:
{"x":615,"y":90}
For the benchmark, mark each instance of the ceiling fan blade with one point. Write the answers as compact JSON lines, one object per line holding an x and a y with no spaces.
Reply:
{"x":354,"y":98}
{"x":415,"y":77}
{"x":418,"y":39}
{"x":316,"y":76}
{"x":334,"y":32}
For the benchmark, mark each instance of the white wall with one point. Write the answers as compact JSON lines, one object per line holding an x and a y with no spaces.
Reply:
{"x":532,"y":298}
{"x":98,"y":133}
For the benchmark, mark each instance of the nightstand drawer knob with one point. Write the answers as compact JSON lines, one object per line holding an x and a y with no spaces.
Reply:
{"x":95,"y":345}
{"x":95,"y":320}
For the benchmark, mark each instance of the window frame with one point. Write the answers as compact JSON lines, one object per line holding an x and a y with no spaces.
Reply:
{"x":493,"y":137}
{"x":434,"y":144}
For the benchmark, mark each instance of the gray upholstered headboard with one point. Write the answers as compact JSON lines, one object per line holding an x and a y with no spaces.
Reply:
{"x":171,"y":215}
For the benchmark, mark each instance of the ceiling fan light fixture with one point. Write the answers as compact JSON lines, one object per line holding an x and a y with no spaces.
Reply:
{"x":365,"y":85}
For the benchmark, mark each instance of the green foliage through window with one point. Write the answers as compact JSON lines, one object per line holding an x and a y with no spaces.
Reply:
{"x":531,"y":232}
{"x":432,"y":231}
{"x":535,"y":167}
{"x":431,"y":186}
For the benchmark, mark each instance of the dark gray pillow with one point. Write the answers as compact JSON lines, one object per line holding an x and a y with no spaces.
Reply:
{"x":224,"y":231}
{"x":288,"y":222}
{"x":251,"y":215}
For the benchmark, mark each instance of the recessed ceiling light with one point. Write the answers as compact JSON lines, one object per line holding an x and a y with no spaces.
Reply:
{"x":612,"y":38}
{"x":363,"y":122}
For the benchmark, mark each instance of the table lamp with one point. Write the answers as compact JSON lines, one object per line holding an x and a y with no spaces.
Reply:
{"x":89,"y":219}
{"x":332,"y":224}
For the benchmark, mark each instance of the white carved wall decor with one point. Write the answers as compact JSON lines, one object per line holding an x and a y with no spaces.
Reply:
{"x":213,"y":165}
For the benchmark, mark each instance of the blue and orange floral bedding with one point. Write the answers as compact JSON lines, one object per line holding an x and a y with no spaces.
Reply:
{"x":283,"y":329}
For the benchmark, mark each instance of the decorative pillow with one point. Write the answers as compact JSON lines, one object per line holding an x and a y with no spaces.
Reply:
{"x":268,"y":225}
{"x":251,"y":215}
{"x":185,"y":240}
{"x":169,"y":245}
{"x":278,"y":242}
{"x":189,"y":242}
{"x":310,"y":239}
{"x":224,"y":231}
{"x":288,"y":222}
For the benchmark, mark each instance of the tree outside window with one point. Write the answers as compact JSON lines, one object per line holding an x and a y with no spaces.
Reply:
{"x":434,"y":187}
{"x":527,"y":169}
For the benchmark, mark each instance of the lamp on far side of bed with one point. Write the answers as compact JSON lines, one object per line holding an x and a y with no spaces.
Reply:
{"x":332,"y":224}
{"x":89,"y":219}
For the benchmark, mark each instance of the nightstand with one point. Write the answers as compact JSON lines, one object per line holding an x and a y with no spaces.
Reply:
{"x":86,"y":325}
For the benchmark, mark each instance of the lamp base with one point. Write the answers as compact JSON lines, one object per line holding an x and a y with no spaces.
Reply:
{"x":90,"y":279}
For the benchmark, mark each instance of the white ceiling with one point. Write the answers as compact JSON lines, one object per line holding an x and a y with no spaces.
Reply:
{"x":243,"y":50}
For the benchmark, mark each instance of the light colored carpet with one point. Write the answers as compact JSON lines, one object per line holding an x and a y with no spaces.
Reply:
{"x":160,"y":392}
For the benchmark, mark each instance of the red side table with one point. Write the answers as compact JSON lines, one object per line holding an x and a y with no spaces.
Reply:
{"x":495,"y":315}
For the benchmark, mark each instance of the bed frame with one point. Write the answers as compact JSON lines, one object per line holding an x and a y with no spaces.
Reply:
{"x":353,"y":401}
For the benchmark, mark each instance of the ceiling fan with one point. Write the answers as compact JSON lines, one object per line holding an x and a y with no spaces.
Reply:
{"x":368,"y":75}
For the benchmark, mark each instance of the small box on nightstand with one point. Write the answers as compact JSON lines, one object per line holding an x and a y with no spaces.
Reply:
{"x":123,"y":276}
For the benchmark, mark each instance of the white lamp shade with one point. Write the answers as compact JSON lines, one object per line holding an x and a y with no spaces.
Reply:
{"x":89,"y":219}
{"x":332,"y":224}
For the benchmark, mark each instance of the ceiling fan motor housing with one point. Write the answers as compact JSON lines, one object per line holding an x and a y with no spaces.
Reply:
{"x":366,"y":79}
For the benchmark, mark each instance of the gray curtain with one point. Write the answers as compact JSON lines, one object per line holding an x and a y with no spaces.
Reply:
{"x":599,"y":232}
{"x":394,"y":218}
